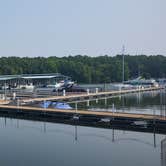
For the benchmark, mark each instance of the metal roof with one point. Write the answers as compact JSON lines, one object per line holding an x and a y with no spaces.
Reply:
{"x":7,"y":77}
{"x":39,"y":77}
{"x":31,"y":76}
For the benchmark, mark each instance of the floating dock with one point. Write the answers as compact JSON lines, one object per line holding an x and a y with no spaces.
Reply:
{"x":126,"y":121}
{"x":83,"y":96}
{"x":85,"y":117}
{"x":82,"y":113}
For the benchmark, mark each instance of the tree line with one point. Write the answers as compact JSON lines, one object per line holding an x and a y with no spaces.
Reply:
{"x":86,"y":69}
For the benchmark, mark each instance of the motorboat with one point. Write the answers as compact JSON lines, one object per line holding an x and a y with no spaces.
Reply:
{"x":139,"y":81}
{"x":58,"y":86}
{"x":121,"y":86}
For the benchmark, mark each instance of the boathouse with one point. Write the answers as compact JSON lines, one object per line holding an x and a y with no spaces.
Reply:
{"x":13,"y":81}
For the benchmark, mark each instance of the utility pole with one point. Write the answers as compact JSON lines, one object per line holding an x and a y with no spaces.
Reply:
{"x":123,"y":67}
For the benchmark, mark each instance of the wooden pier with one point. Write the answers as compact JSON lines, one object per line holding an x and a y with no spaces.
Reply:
{"x":4,"y":102}
{"x":125,"y":121}
{"x":89,"y":95}
{"x":84,"y":112}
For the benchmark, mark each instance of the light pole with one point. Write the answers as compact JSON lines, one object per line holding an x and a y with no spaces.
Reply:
{"x":123,"y":69}
{"x":5,"y":91}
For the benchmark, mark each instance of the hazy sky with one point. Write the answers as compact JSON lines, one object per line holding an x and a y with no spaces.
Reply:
{"x":91,"y":27}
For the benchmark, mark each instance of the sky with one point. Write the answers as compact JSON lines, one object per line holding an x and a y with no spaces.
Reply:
{"x":87,"y":27}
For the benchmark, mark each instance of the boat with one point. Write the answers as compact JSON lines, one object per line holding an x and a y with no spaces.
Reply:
{"x":57,"y":87}
{"x":121,"y":86}
{"x":139,"y":81}
{"x":29,"y":87}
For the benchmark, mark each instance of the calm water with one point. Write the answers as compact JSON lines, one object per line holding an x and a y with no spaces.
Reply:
{"x":30,"y":143}
{"x":145,"y":102}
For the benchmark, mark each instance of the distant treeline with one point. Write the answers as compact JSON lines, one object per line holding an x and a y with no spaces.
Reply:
{"x":85,"y":69}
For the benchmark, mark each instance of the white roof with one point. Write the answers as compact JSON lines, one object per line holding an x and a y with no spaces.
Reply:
{"x":30,"y":76}
{"x":38,"y":77}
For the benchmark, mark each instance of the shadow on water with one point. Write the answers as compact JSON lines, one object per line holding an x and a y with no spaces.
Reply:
{"x":111,"y":135}
{"x":117,"y":135}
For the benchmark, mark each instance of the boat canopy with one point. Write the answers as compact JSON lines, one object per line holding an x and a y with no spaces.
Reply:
{"x":35,"y":78}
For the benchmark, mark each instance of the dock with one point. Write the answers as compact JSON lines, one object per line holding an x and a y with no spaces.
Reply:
{"x":4,"y":102}
{"x":82,"y":96}
{"x":143,"y":122}
{"x":85,"y":112}
{"x":125,"y":121}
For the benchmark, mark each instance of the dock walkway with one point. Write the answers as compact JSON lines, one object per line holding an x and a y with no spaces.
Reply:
{"x":89,"y":95}
{"x":85,"y":112}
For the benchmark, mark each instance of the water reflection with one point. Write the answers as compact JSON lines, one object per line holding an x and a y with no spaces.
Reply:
{"x":42,"y":127}
{"x":142,"y":102}
{"x":83,"y":141}
{"x":74,"y":133}
{"x":163,"y":152}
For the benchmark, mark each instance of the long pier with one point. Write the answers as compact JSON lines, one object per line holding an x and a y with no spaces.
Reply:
{"x":126,"y":121}
{"x":89,"y":95}
{"x":85,"y":112}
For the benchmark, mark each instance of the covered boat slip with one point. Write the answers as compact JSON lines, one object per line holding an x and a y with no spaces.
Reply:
{"x":9,"y":82}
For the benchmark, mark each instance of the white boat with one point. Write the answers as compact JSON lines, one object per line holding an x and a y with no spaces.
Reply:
{"x":121,"y":86}
{"x":63,"y":84}
{"x":139,"y":81}
{"x":27,"y":86}
{"x":59,"y":86}
{"x":56,"y":86}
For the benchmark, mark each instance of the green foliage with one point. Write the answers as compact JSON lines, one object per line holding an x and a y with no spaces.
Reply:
{"x":84,"y":69}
